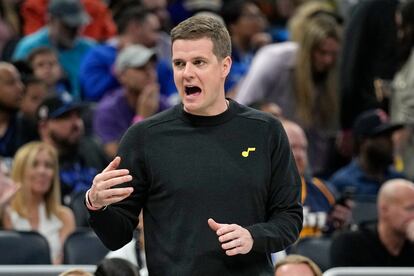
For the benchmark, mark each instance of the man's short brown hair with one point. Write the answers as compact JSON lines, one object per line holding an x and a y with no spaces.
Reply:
{"x":199,"y":26}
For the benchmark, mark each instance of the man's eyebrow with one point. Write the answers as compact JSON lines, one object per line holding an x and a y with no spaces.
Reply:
{"x":198,"y":57}
{"x":177,"y":59}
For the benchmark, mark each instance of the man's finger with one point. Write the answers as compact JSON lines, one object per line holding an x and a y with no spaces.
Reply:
{"x":231,"y":244}
{"x":117,"y":192}
{"x":233,"y":252}
{"x":227,"y":228}
{"x":214,"y":225}
{"x":103,"y":176}
{"x":114,"y":181}
{"x":113,"y":165}
{"x":115,"y":199}
{"x":228,"y":237}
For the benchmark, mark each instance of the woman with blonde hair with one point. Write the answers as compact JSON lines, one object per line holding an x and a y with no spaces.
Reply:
{"x":301,"y":77}
{"x":36,"y":206}
{"x":297,"y":265}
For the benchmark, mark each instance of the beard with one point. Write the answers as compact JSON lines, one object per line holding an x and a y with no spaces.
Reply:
{"x":8,"y":109}
{"x":379,"y":158}
{"x":64,"y":144}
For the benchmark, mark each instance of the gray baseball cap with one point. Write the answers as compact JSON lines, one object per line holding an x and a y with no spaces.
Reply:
{"x":134,"y":56}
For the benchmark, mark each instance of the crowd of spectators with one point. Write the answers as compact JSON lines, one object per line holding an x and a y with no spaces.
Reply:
{"x":75,"y":74}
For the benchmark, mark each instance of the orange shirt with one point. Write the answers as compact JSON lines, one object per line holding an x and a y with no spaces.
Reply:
{"x":100,"y":28}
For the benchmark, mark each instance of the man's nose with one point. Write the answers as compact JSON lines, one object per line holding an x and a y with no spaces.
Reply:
{"x":188,"y":70}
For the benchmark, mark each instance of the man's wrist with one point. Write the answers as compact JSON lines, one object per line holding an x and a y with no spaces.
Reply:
{"x":89,"y":204}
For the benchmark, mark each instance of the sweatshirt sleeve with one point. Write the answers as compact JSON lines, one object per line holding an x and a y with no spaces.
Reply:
{"x":115,"y":224}
{"x":284,"y":210}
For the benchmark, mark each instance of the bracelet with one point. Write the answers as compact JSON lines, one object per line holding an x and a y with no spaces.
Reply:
{"x":137,"y":119}
{"x":89,"y":204}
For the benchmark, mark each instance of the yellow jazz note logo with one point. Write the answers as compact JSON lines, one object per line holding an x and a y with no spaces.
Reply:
{"x":246,"y":152}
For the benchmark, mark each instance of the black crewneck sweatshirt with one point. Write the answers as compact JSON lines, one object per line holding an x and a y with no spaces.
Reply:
{"x":189,"y":168}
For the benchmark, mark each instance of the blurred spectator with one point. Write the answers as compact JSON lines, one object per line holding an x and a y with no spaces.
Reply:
{"x":10,"y":27}
{"x":101,"y":26}
{"x":7,"y":190}
{"x":386,"y":243}
{"x":137,"y":99}
{"x":35,"y":90}
{"x":268,"y":107}
{"x":116,"y":267}
{"x":321,"y":214}
{"x":183,"y":9}
{"x":368,"y":60}
{"x":75,"y":272}
{"x":279,"y":13}
{"x":159,"y":8}
{"x":136,"y":26}
{"x":295,"y":265}
{"x":45,"y":65}
{"x":374,"y":156}
{"x":301,"y":79}
{"x":80,"y":157}
{"x":402,"y":98}
{"x":13,"y":129}
{"x":246,"y":25}
{"x":66,"y":18}
{"x":302,"y":14}
{"x":36,"y":205}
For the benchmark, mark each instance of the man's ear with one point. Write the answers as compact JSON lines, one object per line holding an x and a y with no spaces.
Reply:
{"x":226,"y":66}
{"x":383,"y":208}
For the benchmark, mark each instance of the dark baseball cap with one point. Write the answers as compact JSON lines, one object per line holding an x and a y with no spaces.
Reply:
{"x":55,"y":106}
{"x":373,"y":123}
{"x":70,"y":12}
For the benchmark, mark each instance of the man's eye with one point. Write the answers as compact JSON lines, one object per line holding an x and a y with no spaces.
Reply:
{"x":178,"y":64}
{"x":199,"y":62}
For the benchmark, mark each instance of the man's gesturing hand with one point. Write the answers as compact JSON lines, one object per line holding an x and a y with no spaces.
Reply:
{"x":234,"y":239}
{"x":101,"y":194}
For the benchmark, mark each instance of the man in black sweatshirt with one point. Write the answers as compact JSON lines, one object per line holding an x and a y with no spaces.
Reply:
{"x":216,"y":180}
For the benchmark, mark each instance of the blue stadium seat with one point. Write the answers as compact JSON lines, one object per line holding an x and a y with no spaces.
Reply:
{"x":83,"y":247}
{"x":20,"y":247}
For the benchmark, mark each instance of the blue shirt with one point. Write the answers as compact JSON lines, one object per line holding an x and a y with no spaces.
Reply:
{"x":97,"y":76}
{"x":317,"y":201}
{"x":353,"y":178}
{"x":69,"y":59}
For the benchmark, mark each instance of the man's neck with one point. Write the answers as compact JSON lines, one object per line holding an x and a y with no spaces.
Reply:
{"x":392,"y":241}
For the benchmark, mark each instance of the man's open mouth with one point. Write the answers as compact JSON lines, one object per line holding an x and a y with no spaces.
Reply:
{"x":189,"y":90}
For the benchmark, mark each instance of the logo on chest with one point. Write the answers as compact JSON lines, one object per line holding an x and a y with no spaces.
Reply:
{"x":246,"y":153}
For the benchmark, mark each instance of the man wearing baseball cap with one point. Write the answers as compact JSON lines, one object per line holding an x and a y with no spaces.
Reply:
{"x":138,"y":98}
{"x":80,"y":157}
{"x":62,"y":33}
{"x":373,"y":155}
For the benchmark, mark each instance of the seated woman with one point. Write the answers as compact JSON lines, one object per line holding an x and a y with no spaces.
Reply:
{"x":36,"y":205}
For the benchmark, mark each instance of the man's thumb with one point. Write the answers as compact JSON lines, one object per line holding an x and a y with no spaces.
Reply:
{"x":213,"y":224}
